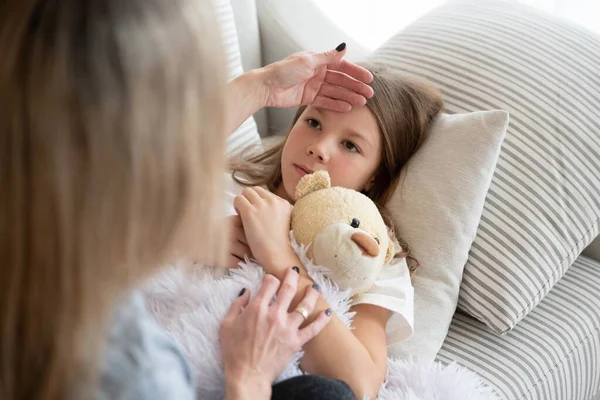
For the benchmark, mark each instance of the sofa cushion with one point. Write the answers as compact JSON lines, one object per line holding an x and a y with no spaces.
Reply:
{"x":543,"y":205}
{"x":553,"y":354}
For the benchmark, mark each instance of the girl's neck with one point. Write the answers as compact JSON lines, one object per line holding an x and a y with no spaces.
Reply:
{"x":280,"y":191}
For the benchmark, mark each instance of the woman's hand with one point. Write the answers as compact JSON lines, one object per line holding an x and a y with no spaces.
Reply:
{"x":323,"y":80}
{"x":259,"y":337}
{"x":266,"y":220}
{"x":238,"y":244}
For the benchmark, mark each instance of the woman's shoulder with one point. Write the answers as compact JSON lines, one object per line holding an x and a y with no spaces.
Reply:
{"x":140,"y":360}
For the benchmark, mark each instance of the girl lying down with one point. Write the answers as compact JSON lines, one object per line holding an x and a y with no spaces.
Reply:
{"x":363,"y":149}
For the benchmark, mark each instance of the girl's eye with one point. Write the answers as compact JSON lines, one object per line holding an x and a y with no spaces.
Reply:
{"x":313,"y":123}
{"x":351,"y":146}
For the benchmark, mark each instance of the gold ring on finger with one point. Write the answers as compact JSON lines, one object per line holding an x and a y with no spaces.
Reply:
{"x":302,"y":311}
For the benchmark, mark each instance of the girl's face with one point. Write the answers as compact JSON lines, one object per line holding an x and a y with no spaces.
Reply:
{"x":345,"y":144}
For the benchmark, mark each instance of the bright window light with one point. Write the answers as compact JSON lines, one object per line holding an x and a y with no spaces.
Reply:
{"x":372,"y":22}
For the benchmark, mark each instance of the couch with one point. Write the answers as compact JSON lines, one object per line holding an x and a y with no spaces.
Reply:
{"x":554,"y":352}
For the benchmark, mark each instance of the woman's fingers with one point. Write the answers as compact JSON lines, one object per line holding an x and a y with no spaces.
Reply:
{"x":341,"y":93}
{"x":237,"y":306}
{"x":331,"y":104}
{"x":307,"y":304}
{"x":335,"y":61}
{"x":356,"y":71}
{"x":287,"y":291}
{"x":314,"y":328}
{"x":268,"y":290}
{"x":354,"y":85}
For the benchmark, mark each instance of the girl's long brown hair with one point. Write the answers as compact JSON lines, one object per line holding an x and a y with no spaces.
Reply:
{"x":405,"y":107}
{"x":111,"y":151}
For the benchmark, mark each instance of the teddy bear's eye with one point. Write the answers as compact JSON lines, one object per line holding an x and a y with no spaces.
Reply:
{"x":377,"y":240}
{"x":355,"y":223}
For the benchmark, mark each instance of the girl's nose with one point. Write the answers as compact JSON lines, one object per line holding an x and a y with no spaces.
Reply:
{"x":319,"y":151}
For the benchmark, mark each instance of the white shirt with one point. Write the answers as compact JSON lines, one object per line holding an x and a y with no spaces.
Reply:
{"x":392,"y":290}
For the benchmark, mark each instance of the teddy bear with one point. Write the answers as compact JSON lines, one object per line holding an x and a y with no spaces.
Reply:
{"x":339,"y":236}
{"x":341,"y":230}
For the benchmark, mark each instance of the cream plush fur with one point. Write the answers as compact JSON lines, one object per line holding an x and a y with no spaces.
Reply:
{"x":190,"y":304}
{"x":343,"y":231}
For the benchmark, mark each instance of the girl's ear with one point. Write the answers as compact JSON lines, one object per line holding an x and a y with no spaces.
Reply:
{"x":369,"y":185}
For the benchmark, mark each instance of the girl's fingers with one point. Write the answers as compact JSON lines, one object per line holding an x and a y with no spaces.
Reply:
{"x":287,"y":291}
{"x":314,"y":328}
{"x":240,"y":250}
{"x":241,"y":204}
{"x":237,"y":229}
{"x":251,"y":194}
{"x":307,"y":303}
{"x":236,"y":223}
{"x":232,"y":261}
{"x":263,"y":193}
{"x":239,"y":234}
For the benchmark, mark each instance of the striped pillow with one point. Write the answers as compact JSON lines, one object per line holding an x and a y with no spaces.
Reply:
{"x":247,"y":133}
{"x":543,"y":205}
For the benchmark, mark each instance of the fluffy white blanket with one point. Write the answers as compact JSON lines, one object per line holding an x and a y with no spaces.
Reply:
{"x":190,"y":306}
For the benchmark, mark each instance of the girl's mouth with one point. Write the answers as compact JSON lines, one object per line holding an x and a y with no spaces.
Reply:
{"x":301,"y":170}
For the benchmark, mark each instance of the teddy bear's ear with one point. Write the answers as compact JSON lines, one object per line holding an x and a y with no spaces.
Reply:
{"x":312,"y":182}
{"x":391,"y":251}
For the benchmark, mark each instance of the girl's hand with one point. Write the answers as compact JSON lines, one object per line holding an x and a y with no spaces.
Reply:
{"x":320,"y":79}
{"x":259,"y":337}
{"x":266,"y":220}
{"x":238,"y":244}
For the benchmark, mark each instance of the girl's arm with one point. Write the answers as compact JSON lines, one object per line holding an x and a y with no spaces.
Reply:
{"x":357,"y":356}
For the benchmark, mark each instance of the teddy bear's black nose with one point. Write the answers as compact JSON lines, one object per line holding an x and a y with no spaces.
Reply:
{"x":355,"y":223}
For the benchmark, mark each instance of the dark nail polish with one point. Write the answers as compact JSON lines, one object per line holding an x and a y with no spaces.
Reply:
{"x":316,"y":287}
{"x":341,"y":47}
{"x":242,"y":292}
{"x":328,"y":312}
{"x":296,"y":269}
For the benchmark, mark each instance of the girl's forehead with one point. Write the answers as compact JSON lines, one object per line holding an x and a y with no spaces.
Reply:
{"x":359,"y":120}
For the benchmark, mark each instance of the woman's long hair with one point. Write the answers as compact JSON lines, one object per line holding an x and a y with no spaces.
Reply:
{"x":112,"y":149}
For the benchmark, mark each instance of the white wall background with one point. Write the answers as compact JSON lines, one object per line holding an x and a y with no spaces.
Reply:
{"x":372,"y":22}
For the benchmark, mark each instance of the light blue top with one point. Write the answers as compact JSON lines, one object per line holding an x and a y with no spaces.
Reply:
{"x":141,"y":361}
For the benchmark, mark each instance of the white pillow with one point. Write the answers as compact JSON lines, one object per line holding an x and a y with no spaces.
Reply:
{"x":247,"y":133}
{"x":437,"y":209}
